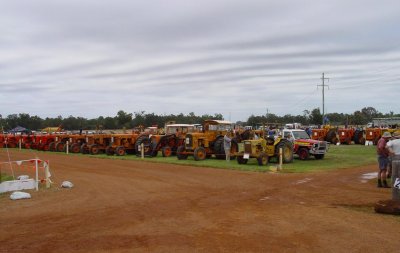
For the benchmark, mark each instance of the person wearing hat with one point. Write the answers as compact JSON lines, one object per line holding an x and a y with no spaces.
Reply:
{"x":383,"y":159}
{"x":393,"y":145}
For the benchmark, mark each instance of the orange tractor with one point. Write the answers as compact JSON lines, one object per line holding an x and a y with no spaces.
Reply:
{"x":374,"y":134}
{"x":327,"y":133}
{"x":349,"y":135}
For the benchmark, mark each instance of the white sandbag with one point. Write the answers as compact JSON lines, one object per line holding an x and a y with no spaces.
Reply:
{"x":67,"y":184}
{"x":23,"y":177}
{"x":20,"y":195}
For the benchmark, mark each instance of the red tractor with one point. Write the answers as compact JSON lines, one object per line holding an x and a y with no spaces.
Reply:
{"x":349,"y":135}
{"x":374,"y":134}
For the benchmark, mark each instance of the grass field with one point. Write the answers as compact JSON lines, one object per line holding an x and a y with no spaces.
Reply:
{"x":338,"y":157}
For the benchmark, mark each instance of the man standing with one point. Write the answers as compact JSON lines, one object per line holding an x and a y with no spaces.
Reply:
{"x":394,"y":151}
{"x":383,"y":159}
{"x":227,"y":146}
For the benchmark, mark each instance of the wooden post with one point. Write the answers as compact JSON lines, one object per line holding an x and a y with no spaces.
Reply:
{"x":67,"y":147}
{"x":142,"y":149}
{"x":280,"y":159}
{"x":19,"y":144}
{"x":396,"y":177}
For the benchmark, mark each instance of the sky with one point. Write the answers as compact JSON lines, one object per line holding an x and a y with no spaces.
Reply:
{"x":239,"y":58}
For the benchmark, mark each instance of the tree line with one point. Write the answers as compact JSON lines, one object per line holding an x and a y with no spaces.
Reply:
{"x":130,"y":120}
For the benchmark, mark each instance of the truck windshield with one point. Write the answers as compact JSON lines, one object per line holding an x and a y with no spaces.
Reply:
{"x":300,"y":135}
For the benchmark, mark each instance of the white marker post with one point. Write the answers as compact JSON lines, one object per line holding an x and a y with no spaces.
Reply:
{"x":67,"y":147}
{"x":280,"y":159}
{"x":142,"y":149}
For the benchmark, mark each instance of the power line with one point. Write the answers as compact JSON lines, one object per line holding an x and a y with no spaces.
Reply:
{"x":323,"y":95}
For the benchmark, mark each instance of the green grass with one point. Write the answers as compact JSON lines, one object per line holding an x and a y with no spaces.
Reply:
{"x":338,"y":157}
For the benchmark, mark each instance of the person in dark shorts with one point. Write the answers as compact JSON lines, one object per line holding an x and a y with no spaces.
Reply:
{"x":383,"y":159}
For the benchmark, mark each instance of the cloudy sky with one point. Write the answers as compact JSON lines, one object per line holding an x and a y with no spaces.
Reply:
{"x":93,"y":58}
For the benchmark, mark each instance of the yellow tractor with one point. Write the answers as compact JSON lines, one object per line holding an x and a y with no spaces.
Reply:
{"x":263,"y":149}
{"x":208,"y":142}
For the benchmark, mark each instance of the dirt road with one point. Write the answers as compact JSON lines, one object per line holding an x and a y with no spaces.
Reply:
{"x":129,"y":206}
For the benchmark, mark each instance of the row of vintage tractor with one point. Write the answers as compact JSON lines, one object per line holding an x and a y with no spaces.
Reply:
{"x":350,"y":135}
{"x":182,"y":140}
{"x":110,"y":144}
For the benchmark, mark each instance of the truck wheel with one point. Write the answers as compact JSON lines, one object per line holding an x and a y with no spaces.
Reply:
{"x":319,"y":157}
{"x":241,"y":160}
{"x":262,"y":159}
{"x":166,"y":151}
{"x":179,"y":153}
{"x":303,"y":154}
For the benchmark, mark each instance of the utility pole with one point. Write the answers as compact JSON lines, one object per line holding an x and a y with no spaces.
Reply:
{"x":323,"y":95}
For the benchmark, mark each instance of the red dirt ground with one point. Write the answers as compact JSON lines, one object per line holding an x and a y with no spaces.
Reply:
{"x":130,"y":206}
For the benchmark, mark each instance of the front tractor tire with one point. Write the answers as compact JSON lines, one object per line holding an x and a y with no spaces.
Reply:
{"x":199,"y":154}
{"x":166,"y":151}
{"x":262,"y":159}
{"x":241,"y":160}
{"x":120,"y":151}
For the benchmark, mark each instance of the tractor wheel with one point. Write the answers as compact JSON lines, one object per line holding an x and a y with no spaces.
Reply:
{"x":287,"y":151}
{"x":94,"y":149}
{"x":109,"y":150}
{"x":120,"y":151}
{"x":319,"y":157}
{"x":375,"y":141}
{"x":331,"y":136}
{"x":303,"y":153}
{"x":84,"y":149}
{"x":46,"y":147}
{"x":262,"y":159}
{"x":199,"y":154}
{"x":28,"y":145}
{"x":60,"y":146}
{"x":52,"y":146}
{"x":75,"y":148}
{"x":362,"y":141}
{"x":179,"y":153}
{"x":146,"y":145}
{"x":219,"y":150}
{"x":234,"y":149}
{"x":166,"y":151}
{"x":241,"y":160}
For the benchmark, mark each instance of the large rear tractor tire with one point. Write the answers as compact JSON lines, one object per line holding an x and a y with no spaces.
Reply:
{"x":287,"y":151}
{"x":219,"y":150}
{"x":60,"y":146}
{"x":75,"y":148}
{"x":52,"y":146}
{"x":84,"y":149}
{"x":179,"y":153}
{"x":109,"y":150}
{"x":94,"y":149}
{"x":147,"y":146}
